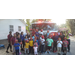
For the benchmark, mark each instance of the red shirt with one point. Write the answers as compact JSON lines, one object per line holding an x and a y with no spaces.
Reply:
{"x":65,"y":43}
{"x":13,"y":40}
{"x":33,"y":32}
{"x":9,"y":38}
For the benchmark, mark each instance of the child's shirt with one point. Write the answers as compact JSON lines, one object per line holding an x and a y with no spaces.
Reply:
{"x":47,"y":34}
{"x":26,"y":39}
{"x":49,"y":42}
{"x":26,"y":45}
{"x":35,"y":50}
{"x":16,"y":45}
{"x":37,"y":34}
{"x":59,"y":44}
{"x":31,"y":43}
{"x":33,"y":38}
{"x":42,"y":41}
{"x":65,"y":43}
{"x":36,"y":44}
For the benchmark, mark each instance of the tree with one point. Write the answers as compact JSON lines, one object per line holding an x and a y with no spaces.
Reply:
{"x":71,"y":24}
{"x":28,"y":23}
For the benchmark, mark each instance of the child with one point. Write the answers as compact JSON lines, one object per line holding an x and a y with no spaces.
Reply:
{"x":42,"y":44}
{"x":20,"y":42}
{"x":31,"y":45}
{"x":34,"y":37}
{"x":26,"y":38}
{"x":38,"y":42}
{"x":37,"y":33}
{"x":35,"y":47}
{"x":27,"y":46}
{"x":16,"y":45}
{"x":59,"y":46}
{"x":65,"y":45}
{"x":49,"y":42}
{"x":35,"y":50}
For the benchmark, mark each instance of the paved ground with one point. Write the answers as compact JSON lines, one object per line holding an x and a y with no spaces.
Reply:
{"x":72,"y":52}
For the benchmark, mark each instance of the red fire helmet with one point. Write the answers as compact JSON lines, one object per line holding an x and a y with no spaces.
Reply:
{"x":41,"y":30}
{"x":47,"y":31}
{"x":59,"y":38}
{"x":65,"y":38}
{"x":31,"y":29}
{"x":37,"y":30}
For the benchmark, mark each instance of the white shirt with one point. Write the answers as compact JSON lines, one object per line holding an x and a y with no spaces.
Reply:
{"x":42,"y":41}
{"x":59,"y":45}
{"x":40,"y":38}
{"x":35,"y":50}
{"x":41,"y":33}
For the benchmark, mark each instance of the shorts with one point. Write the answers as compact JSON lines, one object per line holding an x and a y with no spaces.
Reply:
{"x":49,"y":47}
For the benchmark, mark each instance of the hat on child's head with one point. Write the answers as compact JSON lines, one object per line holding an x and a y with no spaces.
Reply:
{"x":41,"y":30}
{"x":35,"y":40}
{"x":16,"y":40}
{"x":42,"y":37}
{"x":31,"y":29}
{"x":26,"y":40}
{"x":65,"y":38}
{"x":48,"y":31}
{"x":31,"y":38}
{"x":59,"y":38}
{"x":37,"y":30}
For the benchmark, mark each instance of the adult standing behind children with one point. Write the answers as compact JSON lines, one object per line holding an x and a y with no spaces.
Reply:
{"x":37,"y":33}
{"x":62,"y":38}
{"x":42,"y":40}
{"x":13,"y":40}
{"x":22,"y":38}
{"x":55,"y":42}
{"x":33,"y":32}
{"x":68,"y":39}
{"x":9,"y":41}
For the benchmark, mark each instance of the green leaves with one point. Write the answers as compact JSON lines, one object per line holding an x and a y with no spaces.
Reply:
{"x":71,"y":24}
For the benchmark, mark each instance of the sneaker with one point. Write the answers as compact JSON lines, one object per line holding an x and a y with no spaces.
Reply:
{"x":49,"y":52}
{"x":20,"y":53}
{"x":7,"y":52}
{"x":58,"y":53}
{"x":11,"y":50}
{"x":45,"y":52}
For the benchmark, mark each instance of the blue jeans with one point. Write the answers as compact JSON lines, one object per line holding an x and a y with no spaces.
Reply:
{"x":17,"y":52}
{"x":42,"y":48}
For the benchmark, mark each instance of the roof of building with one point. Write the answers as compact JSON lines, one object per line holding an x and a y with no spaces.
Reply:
{"x":23,"y":22}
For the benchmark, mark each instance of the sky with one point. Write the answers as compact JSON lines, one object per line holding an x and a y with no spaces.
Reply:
{"x":57,"y":21}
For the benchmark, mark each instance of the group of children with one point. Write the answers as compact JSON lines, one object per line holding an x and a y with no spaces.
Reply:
{"x":36,"y":42}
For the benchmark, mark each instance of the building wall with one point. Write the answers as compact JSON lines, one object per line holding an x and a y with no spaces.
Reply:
{"x":4,"y":27}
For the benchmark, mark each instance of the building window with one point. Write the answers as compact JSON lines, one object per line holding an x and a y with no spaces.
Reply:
{"x":11,"y":28}
{"x":19,"y":28}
